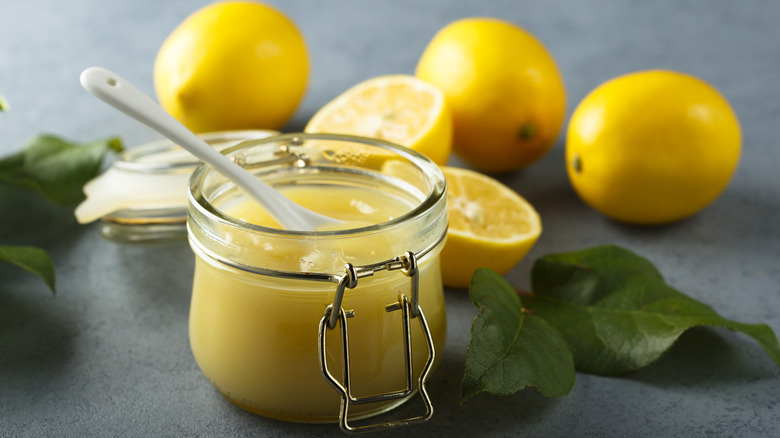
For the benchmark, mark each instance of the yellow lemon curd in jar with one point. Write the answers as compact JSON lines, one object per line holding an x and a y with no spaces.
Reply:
{"x":256,"y":336}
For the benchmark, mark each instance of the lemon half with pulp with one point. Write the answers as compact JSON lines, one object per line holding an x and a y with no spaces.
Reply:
{"x":400,"y":109}
{"x":490,"y":225}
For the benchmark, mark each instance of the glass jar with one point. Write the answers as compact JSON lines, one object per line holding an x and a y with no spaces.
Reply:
{"x":261,"y":325}
{"x":142,"y":197}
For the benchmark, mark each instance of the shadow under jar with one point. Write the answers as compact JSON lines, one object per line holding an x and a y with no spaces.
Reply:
{"x":271,"y":308}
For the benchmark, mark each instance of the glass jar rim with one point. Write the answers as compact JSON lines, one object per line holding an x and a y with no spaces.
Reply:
{"x":436,"y":193}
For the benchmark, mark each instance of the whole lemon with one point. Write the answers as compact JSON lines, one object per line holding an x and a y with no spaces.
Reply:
{"x":652,"y":147}
{"x":232,"y":65}
{"x":504,"y":90}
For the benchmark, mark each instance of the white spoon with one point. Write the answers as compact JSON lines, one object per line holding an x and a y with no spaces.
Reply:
{"x":123,"y":96}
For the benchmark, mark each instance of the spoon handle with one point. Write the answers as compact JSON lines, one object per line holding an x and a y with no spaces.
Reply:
{"x":122,"y":95}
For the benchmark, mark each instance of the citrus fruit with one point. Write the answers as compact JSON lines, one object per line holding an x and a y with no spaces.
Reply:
{"x":504,"y":90}
{"x":232,"y":65}
{"x":652,"y":147}
{"x":490,"y":225}
{"x":400,"y":109}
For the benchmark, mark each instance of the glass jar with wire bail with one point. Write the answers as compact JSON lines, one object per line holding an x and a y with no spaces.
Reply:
{"x":326,"y":325}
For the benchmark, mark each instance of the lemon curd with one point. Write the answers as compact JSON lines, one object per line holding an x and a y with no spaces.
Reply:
{"x":259,"y":293}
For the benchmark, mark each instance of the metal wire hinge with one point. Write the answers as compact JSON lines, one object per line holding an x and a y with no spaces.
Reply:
{"x":336,"y":316}
{"x":284,"y":155}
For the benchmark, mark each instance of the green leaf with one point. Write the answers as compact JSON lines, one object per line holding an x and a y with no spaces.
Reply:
{"x":31,"y":259}
{"x":56,"y":168}
{"x":3,"y":103}
{"x":510,"y":350}
{"x":616,"y":311}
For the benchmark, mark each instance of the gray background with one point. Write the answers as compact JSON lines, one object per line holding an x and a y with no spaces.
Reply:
{"x":109,"y":355}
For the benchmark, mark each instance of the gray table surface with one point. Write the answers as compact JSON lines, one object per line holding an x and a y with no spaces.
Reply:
{"x":109,"y":354}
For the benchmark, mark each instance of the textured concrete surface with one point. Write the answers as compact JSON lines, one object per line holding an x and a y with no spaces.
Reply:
{"x":109,"y":356}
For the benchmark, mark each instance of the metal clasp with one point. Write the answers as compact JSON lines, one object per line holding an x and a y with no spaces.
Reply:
{"x":335,"y":315}
{"x":284,"y":155}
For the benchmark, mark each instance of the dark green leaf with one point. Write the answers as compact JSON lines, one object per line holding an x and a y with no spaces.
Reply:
{"x":31,"y":259}
{"x":56,"y":168}
{"x":509,"y":349}
{"x":616,"y":311}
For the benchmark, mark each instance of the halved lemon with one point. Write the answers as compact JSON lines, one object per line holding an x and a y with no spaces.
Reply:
{"x":490,"y":225}
{"x":400,"y":109}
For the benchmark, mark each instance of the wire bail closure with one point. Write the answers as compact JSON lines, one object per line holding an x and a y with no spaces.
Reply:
{"x":335,"y":315}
